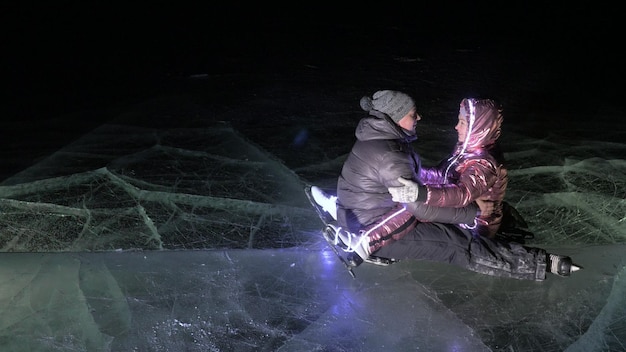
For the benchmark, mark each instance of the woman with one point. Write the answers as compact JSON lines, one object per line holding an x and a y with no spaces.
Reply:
{"x":474,"y":171}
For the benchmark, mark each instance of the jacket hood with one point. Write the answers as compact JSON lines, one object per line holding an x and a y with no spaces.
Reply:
{"x":484,"y":121}
{"x":379,"y":126}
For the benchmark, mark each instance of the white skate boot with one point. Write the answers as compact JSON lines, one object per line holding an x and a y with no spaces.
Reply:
{"x":326,"y":201}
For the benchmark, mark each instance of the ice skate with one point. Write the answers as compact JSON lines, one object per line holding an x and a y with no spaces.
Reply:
{"x":355,"y":243}
{"x":340,"y":241}
{"x":356,"y":255}
{"x":331,"y":234}
{"x":561,"y":265}
{"x":326,"y":201}
{"x":330,"y":230}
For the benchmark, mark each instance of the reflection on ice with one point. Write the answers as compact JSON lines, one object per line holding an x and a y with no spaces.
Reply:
{"x":155,"y":197}
{"x":293,"y":300}
{"x":172,"y":239}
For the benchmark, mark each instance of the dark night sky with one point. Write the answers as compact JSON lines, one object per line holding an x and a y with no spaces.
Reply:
{"x":73,"y":54}
{"x":71,"y":65}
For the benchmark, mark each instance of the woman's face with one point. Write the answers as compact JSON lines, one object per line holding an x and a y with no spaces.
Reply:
{"x":461,"y":127}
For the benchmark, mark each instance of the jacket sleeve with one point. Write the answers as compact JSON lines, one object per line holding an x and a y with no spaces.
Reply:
{"x":427,"y":213}
{"x":394,"y":165}
{"x":476,"y":176}
{"x":432,"y":175}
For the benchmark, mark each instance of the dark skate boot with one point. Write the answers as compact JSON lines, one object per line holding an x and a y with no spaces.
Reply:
{"x":561,"y":265}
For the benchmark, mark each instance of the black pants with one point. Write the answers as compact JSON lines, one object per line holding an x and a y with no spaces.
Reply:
{"x":450,"y":244}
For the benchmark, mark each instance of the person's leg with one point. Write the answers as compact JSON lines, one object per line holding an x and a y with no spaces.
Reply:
{"x":451,"y":244}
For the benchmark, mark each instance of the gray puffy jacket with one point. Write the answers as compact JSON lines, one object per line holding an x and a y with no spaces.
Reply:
{"x":381,"y":154}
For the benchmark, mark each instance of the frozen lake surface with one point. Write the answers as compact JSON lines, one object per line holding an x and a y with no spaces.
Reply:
{"x":165,"y":211}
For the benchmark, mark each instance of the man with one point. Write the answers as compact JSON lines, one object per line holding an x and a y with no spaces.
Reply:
{"x":370,"y":222}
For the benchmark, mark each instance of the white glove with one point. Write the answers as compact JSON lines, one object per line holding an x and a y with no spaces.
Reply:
{"x":407,"y":193}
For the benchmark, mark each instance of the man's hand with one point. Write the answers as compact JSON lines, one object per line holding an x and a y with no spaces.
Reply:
{"x":408,"y":193}
{"x":486,"y":207}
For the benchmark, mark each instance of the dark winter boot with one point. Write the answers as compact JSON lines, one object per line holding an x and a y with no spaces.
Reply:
{"x":561,"y":265}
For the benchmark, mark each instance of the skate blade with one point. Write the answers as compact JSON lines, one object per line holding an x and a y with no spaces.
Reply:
{"x":379,"y":261}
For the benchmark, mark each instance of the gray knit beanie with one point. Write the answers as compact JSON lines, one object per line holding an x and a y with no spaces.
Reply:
{"x":393,"y":103}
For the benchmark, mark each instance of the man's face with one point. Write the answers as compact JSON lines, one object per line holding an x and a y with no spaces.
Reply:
{"x":409,"y":121}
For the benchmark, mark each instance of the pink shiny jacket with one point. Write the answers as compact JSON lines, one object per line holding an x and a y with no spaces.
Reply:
{"x":475,"y":169}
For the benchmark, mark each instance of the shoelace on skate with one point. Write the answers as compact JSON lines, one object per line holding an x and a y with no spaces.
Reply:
{"x":349,"y":246}
{"x":555,"y":262}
